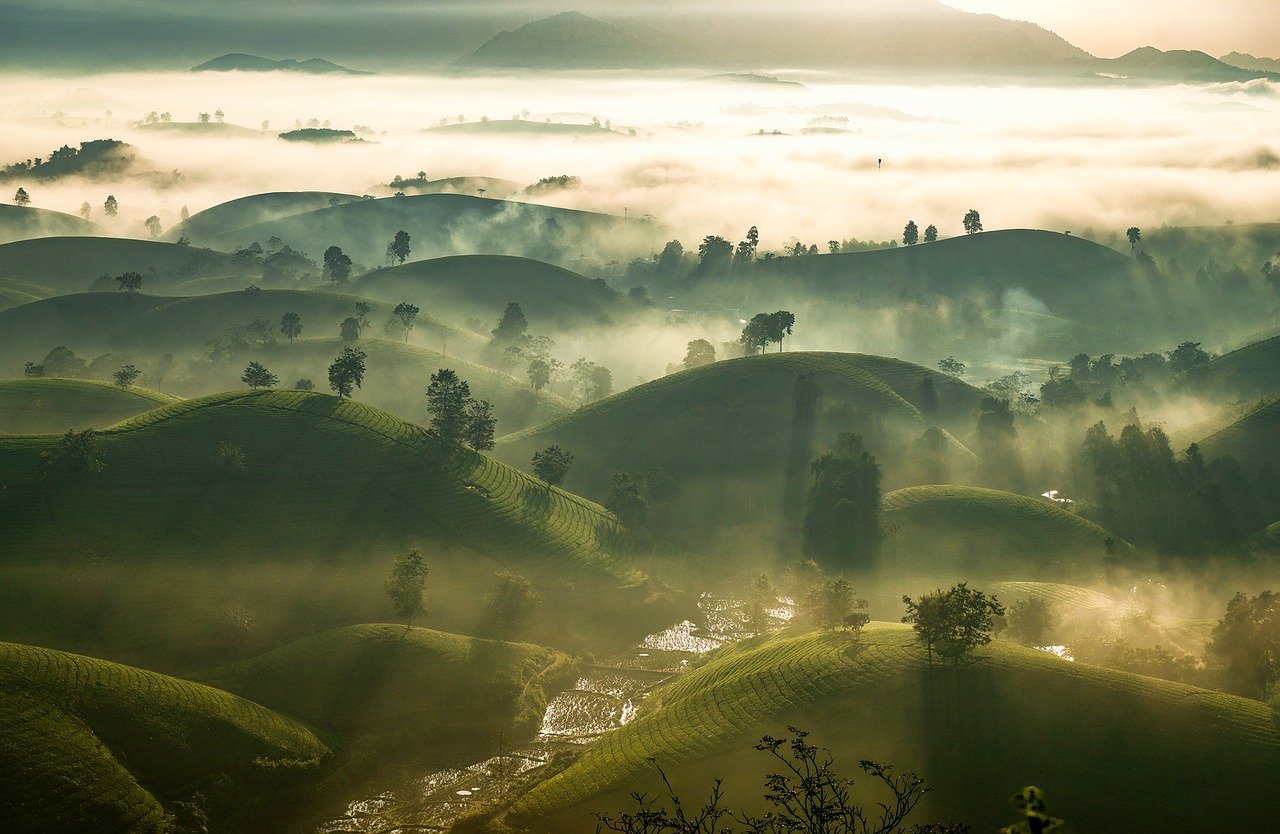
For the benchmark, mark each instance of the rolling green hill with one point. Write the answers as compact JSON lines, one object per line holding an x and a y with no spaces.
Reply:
{"x":1011,"y":717}
{"x":89,"y":745}
{"x":466,"y":286}
{"x":398,"y":377}
{"x":23,"y":222}
{"x":1249,"y":372}
{"x":404,"y":687}
{"x":1253,"y":439}
{"x":492,"y":187}
{"x":452,"y":224}
{"x":221,"y":130}
{"x":254,"y":208}
{"x":976,"y":532}
{"x":51,"y":406}
{"x":13,"y":293}
{"x":77,"y":264}
{"x":731,"y":436}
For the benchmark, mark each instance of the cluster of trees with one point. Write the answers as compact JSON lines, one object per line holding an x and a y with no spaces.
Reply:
{"x":1100,"y":379}
{"x":93,"y":158}
{"x":508,"y":606}
{"x":1136,"y":487}
{"x":277,"y":261}
{"x":765,"y":329}
{"x":455,"y":416}
{"x":843,"y":516}
{"x":953,"y":622}
{"x":61,"y":361}
{"x":513,"y":345}
{"x":911,"y":234}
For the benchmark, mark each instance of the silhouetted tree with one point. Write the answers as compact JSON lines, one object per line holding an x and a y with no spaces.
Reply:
{"x":972,"y":222}
{"x":347,"y":371}
{"x":761,"y":597}
{"x":832,"y":604}
{"x":513,"y":328}
{"x":129,"y":281}
{"x":591,"y":382}
{"x":931,"y":234}
{"x":406,"y":313}
{"x":398,"y":248}
{"x":1244,"y":647}
{"x":337,"y":265}
{"x":152,"y":224}
{"x":447,"y":399}
{"x":1135,"y":235}
{"x":203,"y":118}
{"x":669,"y":261}
{"x":21,"y":197}
{"x":111,"y":208}
{"x":350,"y":329}
{"x":911,"y":234}
{"x":291,"y":326}
{"x":755,"y":336}
{"x":256,"y":375}
{"x":842,"y":517}
{"x":715,"y":254}
{"x":539,"y":372}
{"x":746,"y":251}
{"x":552,"y":464}
{"x":699,"y":352}
{"x":32,"y":371}
{"x":304,"y":384}
{"x":184,"y":215}
{"x":509,"y":606}
{"x":955,"y":621}
{"x":1186,"y":356}
{"x":625,"y":500}
{"x":1032,"y":620}
{"x":406,"y":586}
{"x":481,"y":425}
{"x":126,"y":376}
{"x":951,"y":367}
{"x":780,"y":324}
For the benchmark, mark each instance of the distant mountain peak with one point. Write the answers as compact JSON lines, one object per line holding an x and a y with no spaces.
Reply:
{"x":241,"y":62}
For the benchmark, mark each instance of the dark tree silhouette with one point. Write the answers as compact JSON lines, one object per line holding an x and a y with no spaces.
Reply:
{"x":911,"y":234}
{"x":152,"y":224}
{"x":21,"y":197}
{"x":406,"y":313}
{"x":76,"y":453}
{"x":304,"y":384}
{"x":552,"y":464}
{"x":256,"y":375}
{"x":931,"y":234}
{"x":350,"y":329}
{"x":337,"y":265}
{"x":699,"y":352}
{"x":1135,"y":235}
{"x":715,"y":254}
{"x":129,"y":281}
{"x":513,"y":328}
{"x":951,"y":367}
{"x":405,"y":587}
{"x":780,"y":324}
{"x":126,"y":376}
{"x":756,"y":335}
{"x":832,"y":604}
{"x":842,"y":518}
{"x":347,"y":371}
{"x":625,"y":500}
{"x":291,"y":326}
{"x":398,"y":248}
{"x":972,"y":222}
{"x":955,"y":621}
{"x":447,"y":399}
{"x":111,"y":207}
{"x":509,"y":606}
{"x":1244,"y":647}
{"x":481,"y":425}
{"x":1035,"y":814}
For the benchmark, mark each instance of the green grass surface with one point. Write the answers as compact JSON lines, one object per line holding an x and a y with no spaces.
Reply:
{"x":49,"y":406}
{"x":382,"y":682}
{"x":22,"y":222}
{"x":1011,"y":717}
{"x":78,"y":264}
{"x":1246,"y":373}
{"x":89,"y":745}
{"x":13,"y":293}
{"x":985,"y":533}
{"x":1253,"y":439}
{"x":481,"y":285}
{"x":255,"y":208}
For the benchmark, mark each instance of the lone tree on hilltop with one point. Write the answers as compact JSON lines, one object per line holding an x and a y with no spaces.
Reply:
{"x":398,"y":248}
{"x":552,"y":464}
{"x":129,"y":281}
{"x":347,"y":371}
{"x":126,"y":376}
{"x":955,"y":621}
{"x":291,"y":326}
{"x":699,"y":352}
{"x":951,"y":367}
{"x":911,"y":234}
{"x":1135,"y":235}
{"x":406,"y":313}
{"x":780,"y":324}
{"x":21,"y":197}
{"x":256,"y":375}
{"x":337,"y":265}
{"x":972,"y":222}
{"x":111,"y":207}
{"x":350,"y":329}
{"x":931,"y":234}
{"x":755,"y":336}
{"x":447,"y":398}
{"x":405,"y":587}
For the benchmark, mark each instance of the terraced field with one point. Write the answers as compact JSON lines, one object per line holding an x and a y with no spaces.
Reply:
{"x":82,"y":264}
{"x":50,"y":406}
{"x":306,"y":474}
{"x":480,"y":286}
{"x":402,"y":687}
{"x":88,"y":745}
{"x":975,"y":532}
{"x":1012,"y":716}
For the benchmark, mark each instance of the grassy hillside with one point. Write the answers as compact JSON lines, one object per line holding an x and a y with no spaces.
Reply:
{"x":453,"y":224}
{"x":51,"y":406}
{"x":1253,"y":439}
{"x":220,"y":130}
{"x":732,"y":438}
{"x":77,"y":264}
{"x":1248,"y":372}
{"x":399,"y":686}
{"x":254,"y":208}
{"x":22,"y":222}
{"x":975,"y":532}
{"x":398,"y":377}
{"x":13,"y":293}
{"x":480,"y":286}
{"x":88,"y":745}
{"x":976,"y":733}
{"x":494,"y":188}
{"x":90,"y":323}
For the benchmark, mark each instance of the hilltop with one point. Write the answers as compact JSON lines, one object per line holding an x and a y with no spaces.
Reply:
{"x":1253,"y":439}
{"x":77,"y":264}
{"x":89,"y":745}
{"x":15,"y":293}
{"x":1181,"y":65}
{"x":965,"y":532}
{"x":23,"y":222}
{"x":253,"y":209}
{"x":51,"y":406}
{"x":239,"y":62}
{"x":1246,"y":373}
{"x":479,"y":286}
{"x":573,"y":40}
{"x":1011,"y":716}
{"x":220,"y":129}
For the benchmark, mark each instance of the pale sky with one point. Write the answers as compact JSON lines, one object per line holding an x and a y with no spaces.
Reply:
{"x":1113,"y":27}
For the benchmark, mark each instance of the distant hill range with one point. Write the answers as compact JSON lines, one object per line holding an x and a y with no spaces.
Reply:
{"x":240,"y":62}
{"x":908,"y":36}
{"x":1246,"y":61}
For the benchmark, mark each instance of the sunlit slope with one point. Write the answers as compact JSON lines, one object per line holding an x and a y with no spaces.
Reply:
{"x":452,"y":224}
{"x":989,"y":533}
{"x":1012,"y":716}
{"x":286,"y":474}
{"x":253,"y":209}
{"x":399,"y":374}
{"x":1253,"y":439}
{"x":737,"y":419}
{"x":48,"y":405}
{"x":384,"y":680}
{"x":481,"y":286}
{"x":1249,"y":372}
{"x":13,"y":293}
{"x":89,"y":745}
{"x":80,"y":264}
{"x":90,"y":323}
{"x":23,"y":222}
